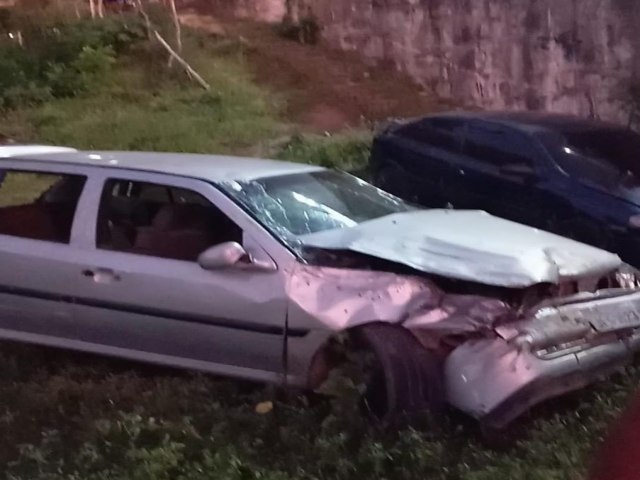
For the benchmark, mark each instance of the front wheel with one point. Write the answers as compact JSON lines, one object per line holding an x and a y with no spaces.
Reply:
{"x":403,"y":377}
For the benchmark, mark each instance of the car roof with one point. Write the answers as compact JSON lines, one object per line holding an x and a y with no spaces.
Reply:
{"x":215,"y":168}
{"x":525,"y":120}
{"x":19,"y":150}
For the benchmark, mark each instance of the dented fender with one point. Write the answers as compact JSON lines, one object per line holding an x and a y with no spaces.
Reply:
{"x":327,"y":300}
{"x":504,"y":364}
{"x":340,"y":299}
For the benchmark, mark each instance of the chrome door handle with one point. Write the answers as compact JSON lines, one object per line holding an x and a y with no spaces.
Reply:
{"x":101,"y":275}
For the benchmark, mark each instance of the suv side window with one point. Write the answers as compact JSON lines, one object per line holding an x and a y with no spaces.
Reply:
{"x":496,"y":146}
{"x":444,"y":133}
{"x":160,"y":221}
{"x":39,"y":206}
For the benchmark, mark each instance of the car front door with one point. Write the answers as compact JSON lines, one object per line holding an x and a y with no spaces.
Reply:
{"x":500,"y":172}
{"x":142,"y":294}
{"x":38,"y":247}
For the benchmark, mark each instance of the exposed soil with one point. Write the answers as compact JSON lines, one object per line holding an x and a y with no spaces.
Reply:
{"x":326,"y":89}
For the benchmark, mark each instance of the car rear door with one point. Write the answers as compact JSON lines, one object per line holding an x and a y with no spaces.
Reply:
{"x":143,"y":296}
{"x":38,"y":250}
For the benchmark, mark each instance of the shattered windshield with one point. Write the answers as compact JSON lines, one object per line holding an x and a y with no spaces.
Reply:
{"x":303,"y":203}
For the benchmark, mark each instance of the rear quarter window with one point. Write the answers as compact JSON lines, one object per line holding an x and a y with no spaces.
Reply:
{"x":604,"y":157}
{"x":38,"y":206}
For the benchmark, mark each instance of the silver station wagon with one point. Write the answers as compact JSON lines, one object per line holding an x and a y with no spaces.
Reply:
{"x":278,"y":272}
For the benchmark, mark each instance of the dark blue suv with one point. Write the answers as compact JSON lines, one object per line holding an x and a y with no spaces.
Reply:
{"x":576,"y":177}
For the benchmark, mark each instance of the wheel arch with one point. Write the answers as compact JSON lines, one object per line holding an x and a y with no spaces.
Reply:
{"x":413,"y":375}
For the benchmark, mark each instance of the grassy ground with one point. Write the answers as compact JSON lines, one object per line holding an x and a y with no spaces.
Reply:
{"x":144,"y":107}
{"x":72,"y":417}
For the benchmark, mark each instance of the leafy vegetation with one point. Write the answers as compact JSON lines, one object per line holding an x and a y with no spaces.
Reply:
{"x":346,"y":152}
{"x":116,"y":92}
{"x":75,"y":417}
{"x":130,"y":115}
{"x":62,"y":60}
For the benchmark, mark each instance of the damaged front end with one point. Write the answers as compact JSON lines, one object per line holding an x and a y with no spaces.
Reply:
{"x":501,"y":354}
{"x":559,"y":347}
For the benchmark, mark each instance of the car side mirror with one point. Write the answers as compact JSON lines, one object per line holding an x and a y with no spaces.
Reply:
{"x":519,"y":171}
{"x":224,"y":255}
{"x":231,"y":255}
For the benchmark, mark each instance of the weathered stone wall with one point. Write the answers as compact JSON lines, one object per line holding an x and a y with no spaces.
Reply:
{"x":575,"y":56}
{"x":270,"y":11}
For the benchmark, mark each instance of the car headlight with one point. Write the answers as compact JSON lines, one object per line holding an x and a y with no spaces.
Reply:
{"x":627,"y":277}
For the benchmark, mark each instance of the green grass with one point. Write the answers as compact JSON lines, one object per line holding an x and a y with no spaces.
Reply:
{"x":348,"y":152}
{"x":20,"y":189}
{"x":71,"y":417}
{"x":136,"y":112}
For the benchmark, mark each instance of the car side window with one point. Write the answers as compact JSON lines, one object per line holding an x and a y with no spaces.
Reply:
{"x":39,"y":206}
{"x":160,"y":221}
{"x":497,"y":146}
{"x":444,"y":133}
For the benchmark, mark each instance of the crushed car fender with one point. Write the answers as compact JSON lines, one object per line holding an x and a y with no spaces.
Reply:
{"x":504,"y":361}
{"x":342,"y":298}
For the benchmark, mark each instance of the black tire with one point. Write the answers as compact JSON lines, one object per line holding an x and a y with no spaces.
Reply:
{"x":406,"y":379}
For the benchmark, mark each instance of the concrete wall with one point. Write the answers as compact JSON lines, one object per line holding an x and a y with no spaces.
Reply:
{"x":575,"y":56}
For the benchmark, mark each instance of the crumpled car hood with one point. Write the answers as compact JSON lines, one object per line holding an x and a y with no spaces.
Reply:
{"x":470,"y":245}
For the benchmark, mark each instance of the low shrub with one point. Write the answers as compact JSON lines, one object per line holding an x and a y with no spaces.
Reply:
{"x":89,"y":69}
{"x":28,"y":94}
{"x":348,"y":153}
{"x":63,"y":60}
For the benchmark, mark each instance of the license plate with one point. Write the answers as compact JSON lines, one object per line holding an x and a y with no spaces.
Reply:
{"x":614,"y":319}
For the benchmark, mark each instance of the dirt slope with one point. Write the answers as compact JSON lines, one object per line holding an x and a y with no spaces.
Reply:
{"x":326,"y":89}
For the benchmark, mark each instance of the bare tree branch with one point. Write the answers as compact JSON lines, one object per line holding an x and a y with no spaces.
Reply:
{"x":147,"y":21}
{"x":190,"y":71}
{"x":178,"y":30}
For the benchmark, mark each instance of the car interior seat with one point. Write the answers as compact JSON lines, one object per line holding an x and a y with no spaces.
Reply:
{"x":178,"y":231}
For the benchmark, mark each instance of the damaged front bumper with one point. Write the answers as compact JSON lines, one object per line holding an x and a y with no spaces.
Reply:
{"x":559,"y":348}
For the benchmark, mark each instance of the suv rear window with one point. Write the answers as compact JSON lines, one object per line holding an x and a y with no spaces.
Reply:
{"x":620,"y":148}
{"x":609,"y":156}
